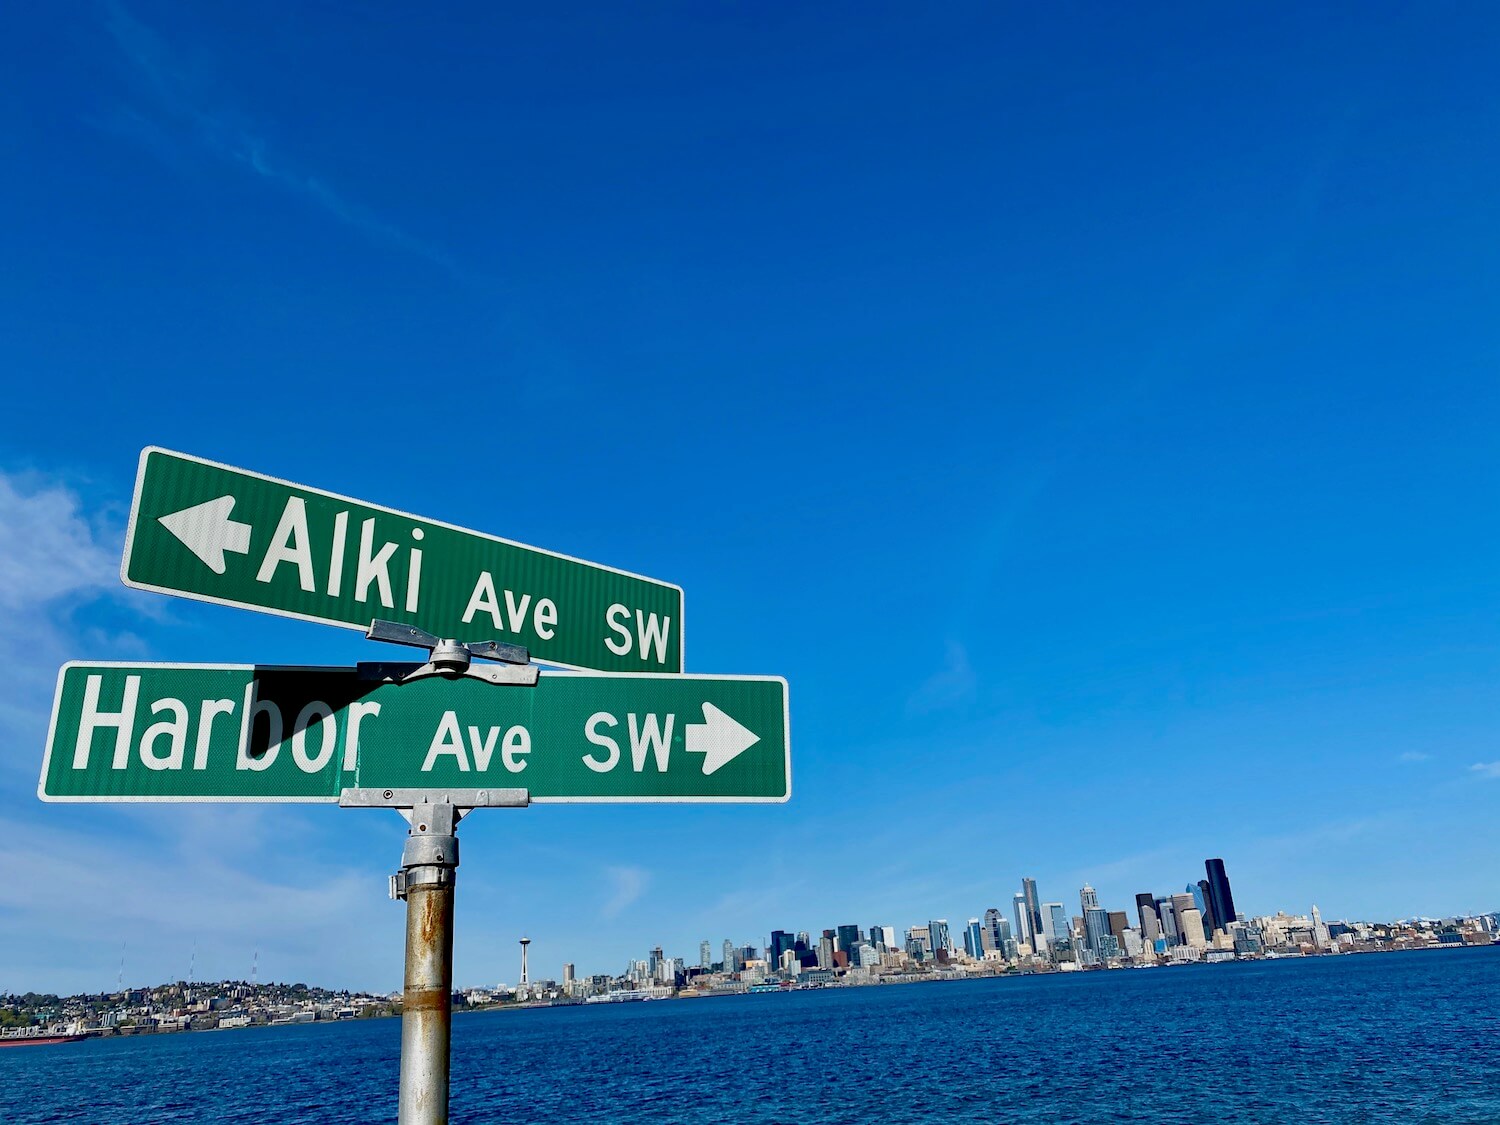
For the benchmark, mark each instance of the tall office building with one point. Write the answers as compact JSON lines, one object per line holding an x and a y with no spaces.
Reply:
{"x":1059,"y":930}
{"x":781,"y":943}
{"x":877,"y":939}
{"x":888,"y":935}
{"x":1167,"y":913}
{"x":919,"y":943}
{"x":1190,"y":922}
{"x":1181,"y":904}
{"x":730,"y":960}
{"x":849,"y":938}
{"x":942,"y":941}
{"x":1119,"y":922}
{"x":1145,"y":907}
{"x":1320,"y":934}
{"x":1034,"y":911}
{"x":705,"y":955}
{"x":1205,"y":896}
{"x":1219,"y":893}
{"x":974,"y":940}
{"x":1096,"y":935}
{"x":1023,"y":921}
{"x":826,"y":949}
{"x":990,"y":930}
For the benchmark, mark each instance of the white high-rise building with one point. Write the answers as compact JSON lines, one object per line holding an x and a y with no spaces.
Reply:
{"x":1320,"y":930}
{"x":1190,"y":925}
{"x":1023,"y":921}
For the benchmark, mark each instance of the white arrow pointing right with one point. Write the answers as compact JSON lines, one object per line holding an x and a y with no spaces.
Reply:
{"x":207,"y":531}
{"x":718,"y":738}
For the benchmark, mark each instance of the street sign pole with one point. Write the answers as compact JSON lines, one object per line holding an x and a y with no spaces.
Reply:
{"x":427,"y":881}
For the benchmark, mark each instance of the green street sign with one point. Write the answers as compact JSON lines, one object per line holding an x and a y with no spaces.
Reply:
{"x":215,"y":732}
{"x":218,"y":534}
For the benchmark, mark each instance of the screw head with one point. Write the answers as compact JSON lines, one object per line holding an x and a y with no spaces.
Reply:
{"x":387,"y":795}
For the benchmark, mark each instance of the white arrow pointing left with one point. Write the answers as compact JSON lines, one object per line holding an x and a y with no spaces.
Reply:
{"x":718,"y":738}
{"x":207,"y":531}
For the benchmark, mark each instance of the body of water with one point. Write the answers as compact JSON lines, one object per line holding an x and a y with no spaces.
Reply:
{"x":1405,"y":1037}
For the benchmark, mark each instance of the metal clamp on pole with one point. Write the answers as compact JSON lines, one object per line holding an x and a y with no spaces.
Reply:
{"x":448,"y":658}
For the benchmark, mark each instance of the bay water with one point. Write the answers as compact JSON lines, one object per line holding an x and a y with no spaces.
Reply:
{"x":1408,"y":1037}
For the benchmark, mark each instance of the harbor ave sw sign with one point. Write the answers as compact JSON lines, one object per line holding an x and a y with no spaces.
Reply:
{"x":195,"y":732}
{"x":218,"y":534}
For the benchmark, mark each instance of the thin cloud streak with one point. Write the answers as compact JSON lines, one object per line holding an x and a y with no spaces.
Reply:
{"x":184,"y":104}
{"x":629,"y":884}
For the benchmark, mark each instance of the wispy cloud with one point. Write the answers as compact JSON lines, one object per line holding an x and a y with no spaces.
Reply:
{"x":951,"y":685}
{"x":181,"y":106}
{"x":52,"y":559}
{"x":1415,"y":756}
{"x":628,"y":884}
{"x":48,"y":550}
{"x":1486,"y":769}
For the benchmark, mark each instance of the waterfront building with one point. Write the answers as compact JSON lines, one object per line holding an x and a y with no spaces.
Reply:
{"x":1033,"y":907}
{"x":826,"y":950}
{"x":1221,"y":897}
{"x":866,"y":956}
{"x":848,"y":937}
{"x":1145,"y":908}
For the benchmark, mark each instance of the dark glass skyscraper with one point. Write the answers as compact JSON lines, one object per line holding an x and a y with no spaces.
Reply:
{"x":1145,"y":907}
{"x":1219,"y":894}
{"x":849,"y":938}
{"x":781,"y":941}
{"x":1209,"y":908}
{"x":1033,"y":905}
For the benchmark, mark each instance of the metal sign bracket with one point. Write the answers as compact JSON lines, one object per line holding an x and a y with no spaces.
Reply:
{"x":448,"y":658}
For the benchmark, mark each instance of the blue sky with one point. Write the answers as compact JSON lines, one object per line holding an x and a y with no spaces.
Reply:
{"x":1092,"y":414}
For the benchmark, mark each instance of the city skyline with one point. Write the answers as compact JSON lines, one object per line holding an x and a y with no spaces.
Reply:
{"x":1169,"y":926}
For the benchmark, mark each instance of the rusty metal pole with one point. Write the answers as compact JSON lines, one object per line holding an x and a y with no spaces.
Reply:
{"x":429,"y":865}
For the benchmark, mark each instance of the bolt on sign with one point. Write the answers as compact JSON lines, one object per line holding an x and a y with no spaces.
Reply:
{"x":213,"y":533}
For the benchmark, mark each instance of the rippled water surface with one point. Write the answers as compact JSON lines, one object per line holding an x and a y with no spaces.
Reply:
{"x":1394,"y":1037}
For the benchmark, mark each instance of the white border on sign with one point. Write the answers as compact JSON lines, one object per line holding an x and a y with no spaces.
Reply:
{"x":135,"y":504}
{"x":786,"y":738}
